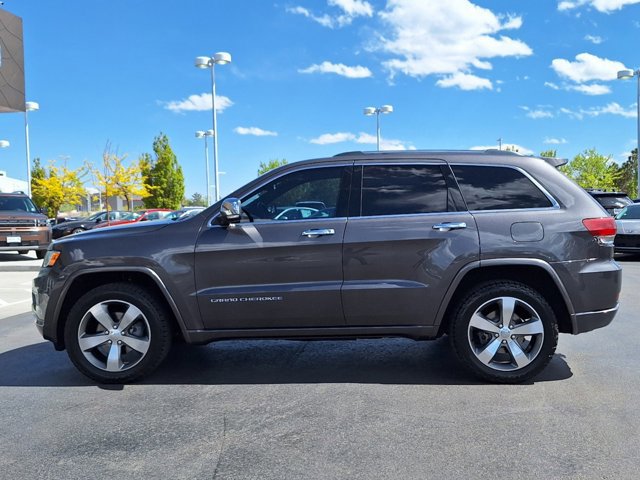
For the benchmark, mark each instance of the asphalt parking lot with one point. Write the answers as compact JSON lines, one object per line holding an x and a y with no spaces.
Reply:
{"x":371,"y":409}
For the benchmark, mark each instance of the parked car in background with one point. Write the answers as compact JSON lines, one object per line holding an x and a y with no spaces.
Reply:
{"x":23,"y":226}
{"x":612,"y":202}
{"x":77,"y":226}
{"x":628,"y":223}
{"x":140,"y":216}
{"x":184,"y":212}
{"x":500,"y":251}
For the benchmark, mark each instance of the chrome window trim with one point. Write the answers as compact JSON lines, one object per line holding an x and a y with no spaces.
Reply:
{"x":402,"y":215}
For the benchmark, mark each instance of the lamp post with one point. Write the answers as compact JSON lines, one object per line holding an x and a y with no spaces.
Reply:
{"x":205,"y":134}
{"x":29,"y":107}
{"x":220,"y":58}
{"x":625,"y":75}
{"x":369,"y":111}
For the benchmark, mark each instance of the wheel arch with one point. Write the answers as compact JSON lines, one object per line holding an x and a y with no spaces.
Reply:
{"x":86,"y":280}
{"x":534,"y":273}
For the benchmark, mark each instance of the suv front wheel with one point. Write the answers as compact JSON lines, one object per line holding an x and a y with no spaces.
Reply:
{"x":117,"y":333}
{"x":504,"y":332}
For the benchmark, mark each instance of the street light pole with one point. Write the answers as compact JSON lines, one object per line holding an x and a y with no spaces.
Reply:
{"x":203,"y":134}
{"x":29,"y":107}
{"x":221,"y":58}
{"x":369,"y":111}
{"x":624,"y":75}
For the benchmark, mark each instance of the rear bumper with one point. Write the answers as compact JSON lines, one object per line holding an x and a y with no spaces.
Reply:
{"x":585,"y":322}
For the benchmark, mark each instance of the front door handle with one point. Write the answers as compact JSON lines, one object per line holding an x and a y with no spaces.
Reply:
{"x":446,"y":226}
{"x":318,"y":232}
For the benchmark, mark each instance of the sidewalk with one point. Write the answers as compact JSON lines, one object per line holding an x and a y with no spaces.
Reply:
{"x":13,"y":262}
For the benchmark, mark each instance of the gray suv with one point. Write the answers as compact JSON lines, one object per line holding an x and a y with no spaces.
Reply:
{"x":498,"y":251}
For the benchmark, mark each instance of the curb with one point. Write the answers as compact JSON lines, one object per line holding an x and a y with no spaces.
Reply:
{"x":19,"y":268}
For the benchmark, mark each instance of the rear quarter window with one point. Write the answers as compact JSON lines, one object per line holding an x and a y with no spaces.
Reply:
{"x":498,"y":188}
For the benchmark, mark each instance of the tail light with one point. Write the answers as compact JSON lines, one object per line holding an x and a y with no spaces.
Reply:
{"x":603,"y":229}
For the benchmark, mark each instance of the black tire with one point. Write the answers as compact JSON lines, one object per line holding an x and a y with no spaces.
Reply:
{"x":493,"y":350}
{"x":77,"y":230}
{"x":40,"y":254}
{"x":113,"y":360}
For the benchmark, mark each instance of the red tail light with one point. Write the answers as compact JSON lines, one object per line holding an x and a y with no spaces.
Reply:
{"x":603,"y":229}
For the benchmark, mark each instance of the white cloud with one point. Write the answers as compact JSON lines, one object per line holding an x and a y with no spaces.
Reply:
{"x":612,"y":108}
{"x":555,"y":141}
{"x":448,"y":39}
{"x":197,"y":103}
{"x":604,"y":6}
{"x":350,"y":9}
{"x":551,"y":85}
{"x":586,"y":68}
{"x":385,"y":143}
{"x":353,"y":8}
{"x":514,"y":147}
{"x":258,"y":132}
{"x":339,"y":69}
{"x":537,"y":113}
{"x":361,"y":138}
{"x":464,"y":81}
{"x":592,"y":89}
{"x":594,"y":39}
{"x":330,"y":138}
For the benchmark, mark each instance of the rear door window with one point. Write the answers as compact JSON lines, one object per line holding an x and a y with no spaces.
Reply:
{"x":498,"y":188}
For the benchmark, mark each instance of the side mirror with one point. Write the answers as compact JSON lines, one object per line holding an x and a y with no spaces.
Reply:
{"x":231,"y":210}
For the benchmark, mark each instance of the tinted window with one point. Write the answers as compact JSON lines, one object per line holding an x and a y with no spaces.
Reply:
{"x":300,"y":195}
{"x":403,"y":189}
{"x":498,"y":188}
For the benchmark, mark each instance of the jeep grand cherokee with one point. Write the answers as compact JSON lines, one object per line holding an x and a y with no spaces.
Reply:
{"x":499,"y":251}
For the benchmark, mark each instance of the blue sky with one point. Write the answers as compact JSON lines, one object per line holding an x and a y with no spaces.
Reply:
{"x":460,"y":74}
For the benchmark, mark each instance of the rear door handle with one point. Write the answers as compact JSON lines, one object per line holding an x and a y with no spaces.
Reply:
{"x":318,"y":232}
{"x":446,"y":226}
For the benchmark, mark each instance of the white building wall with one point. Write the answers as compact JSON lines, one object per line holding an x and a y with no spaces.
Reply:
{"x":8,"y":185}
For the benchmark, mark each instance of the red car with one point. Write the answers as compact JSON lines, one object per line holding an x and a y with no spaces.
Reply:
{"x":141,"y":216}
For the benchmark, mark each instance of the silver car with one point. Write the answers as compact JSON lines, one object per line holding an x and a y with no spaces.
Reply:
{"x":628,"y":224}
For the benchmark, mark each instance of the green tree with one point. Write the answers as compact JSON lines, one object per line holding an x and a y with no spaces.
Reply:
{"x":55,"y":186}
{"x":592,"y":170}
{"x":196,"y":200}
{"x":163,"y":177}
{"x":627,"y":180}
{"x":549,"y":153}
{"x":270,"y":165}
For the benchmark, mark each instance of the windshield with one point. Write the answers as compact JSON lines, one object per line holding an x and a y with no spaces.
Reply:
{"x":18,"y":203}
{"x":613,"y":201}
{"x":632,"y":212}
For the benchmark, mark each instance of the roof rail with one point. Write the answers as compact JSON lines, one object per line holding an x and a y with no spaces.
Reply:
{"x":344,"y":154}
{"x":496,"y":151}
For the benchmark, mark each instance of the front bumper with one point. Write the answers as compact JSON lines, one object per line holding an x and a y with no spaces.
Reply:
{"x":37,"y":238}
{"x":41,"y":291}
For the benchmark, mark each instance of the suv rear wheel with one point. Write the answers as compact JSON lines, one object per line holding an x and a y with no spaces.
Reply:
{"x":504,"y":332}
{"x":117,"y":333}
